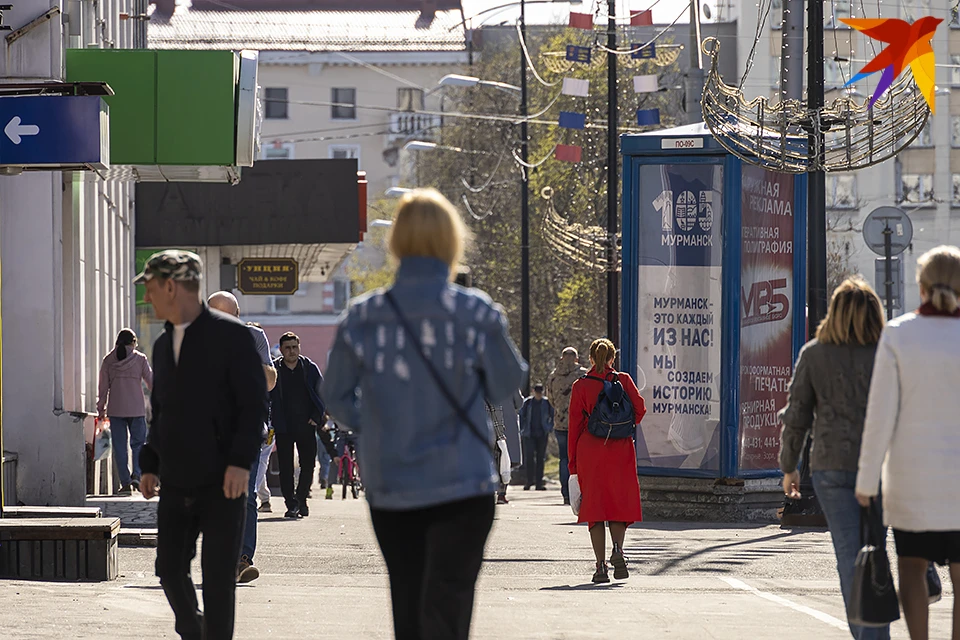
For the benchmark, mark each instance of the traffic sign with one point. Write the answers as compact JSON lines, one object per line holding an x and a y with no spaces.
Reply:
{"x":54,"y":132}
{"x":893,"y":219}
{"x":268,"y":276}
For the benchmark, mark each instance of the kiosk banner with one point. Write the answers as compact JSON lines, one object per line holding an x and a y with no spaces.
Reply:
{"x":678,"y":359}
{"x":766,"y":318}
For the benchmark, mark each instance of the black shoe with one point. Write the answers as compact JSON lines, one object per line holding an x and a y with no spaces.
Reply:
{"x":501,"y":499}
{"x":566,"y":501}
{"x":542,"y":488}
{"x":293,"y":514}
{"x":125,"y":490}
{"x":323,"y":483}
{"x":304,"y":510}
{"x":527,"y":487}
{"x":601,"y":576}
{"x":619,"y":564}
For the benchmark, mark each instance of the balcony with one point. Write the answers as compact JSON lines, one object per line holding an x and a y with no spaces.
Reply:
{"x":407,"y":125}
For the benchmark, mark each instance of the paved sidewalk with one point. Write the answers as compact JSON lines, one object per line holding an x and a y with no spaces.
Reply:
{"x":323,"y":578}
{"x":134,"y":512}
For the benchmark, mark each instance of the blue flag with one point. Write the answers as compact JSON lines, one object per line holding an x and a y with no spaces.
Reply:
{"x":646,"y":53}
{"x":578,"y":54}
{"x":571,"y":120}
{"x":647,"y":117}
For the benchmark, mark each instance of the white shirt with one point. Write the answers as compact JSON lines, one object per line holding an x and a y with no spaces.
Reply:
{"x":910,"y":435}
{"x":178,"y":332}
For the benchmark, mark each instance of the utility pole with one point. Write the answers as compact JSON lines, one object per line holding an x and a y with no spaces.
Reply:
{"x":524,"y":202}
{"x":613,"y":183}
{"x":694,"y":83}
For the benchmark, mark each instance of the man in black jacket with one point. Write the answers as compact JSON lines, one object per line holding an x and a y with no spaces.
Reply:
{"x":297,"y":415}
{"x":209,"y":406}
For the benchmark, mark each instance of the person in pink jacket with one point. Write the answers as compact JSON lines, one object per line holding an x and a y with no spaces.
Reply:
{"x":121,"y":398}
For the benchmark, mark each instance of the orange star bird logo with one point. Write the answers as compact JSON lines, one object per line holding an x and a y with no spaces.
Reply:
{"x":909,"y":44}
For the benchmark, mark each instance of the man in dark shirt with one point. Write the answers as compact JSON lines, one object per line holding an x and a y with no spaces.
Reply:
{"x":297,"y":413}
{"x":536,"y":422}
{"x":209,"y":405}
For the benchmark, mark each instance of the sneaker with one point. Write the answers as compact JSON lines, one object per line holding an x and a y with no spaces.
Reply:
{"x":292,"y":514}
{"x":246,"y":572}
{"x":329,"y":495}
{"x":265,"y":508}
{"x":601,"y":576}
{"x":502,"y":500}
{"x":619,"y":564}
{"x":304,"y":510}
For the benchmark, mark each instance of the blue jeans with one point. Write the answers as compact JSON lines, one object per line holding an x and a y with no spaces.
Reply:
{"x":564,"y":464}
{"x":119,"y":428}
{"x":250,"y":525}
{"x":834,"y":491}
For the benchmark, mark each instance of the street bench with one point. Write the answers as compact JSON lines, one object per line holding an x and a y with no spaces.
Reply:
{"x":71,"y":549}
{"x":52,"y":512}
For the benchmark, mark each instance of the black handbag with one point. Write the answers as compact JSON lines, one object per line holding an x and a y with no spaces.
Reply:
{"x":873,"y":597}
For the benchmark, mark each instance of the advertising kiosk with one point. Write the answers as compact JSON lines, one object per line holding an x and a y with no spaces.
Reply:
{"x":713,"y":317}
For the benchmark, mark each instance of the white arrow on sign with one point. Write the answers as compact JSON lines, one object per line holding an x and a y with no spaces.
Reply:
{"x":15,"y":130}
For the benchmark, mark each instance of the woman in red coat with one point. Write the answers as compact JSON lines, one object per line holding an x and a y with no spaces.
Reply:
{"x":606,"y":469}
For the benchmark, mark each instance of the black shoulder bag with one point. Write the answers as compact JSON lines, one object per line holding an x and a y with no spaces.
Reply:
{"x":451,"y":400}
{"x":873,"y":598}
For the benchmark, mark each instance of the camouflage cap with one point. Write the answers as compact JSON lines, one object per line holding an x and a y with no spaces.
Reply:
{"x":180,"y":266}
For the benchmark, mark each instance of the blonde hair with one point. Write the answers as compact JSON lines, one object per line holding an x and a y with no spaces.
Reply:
{"x":855,"y":315}
{"x":428,"y":226}
{"x":939,"y":276}
{"x":601,"y":352}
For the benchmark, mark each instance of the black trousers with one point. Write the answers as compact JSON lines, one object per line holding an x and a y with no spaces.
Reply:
{"x":534,"y":455}
{"x":433,"y":556}
{"x":180,"y":520}
{"x":306,"y":442}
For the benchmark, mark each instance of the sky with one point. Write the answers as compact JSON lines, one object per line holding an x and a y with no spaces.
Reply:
{"x":664,"y":12}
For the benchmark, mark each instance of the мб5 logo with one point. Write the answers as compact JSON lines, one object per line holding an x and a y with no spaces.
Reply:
{"x":763,"y":303}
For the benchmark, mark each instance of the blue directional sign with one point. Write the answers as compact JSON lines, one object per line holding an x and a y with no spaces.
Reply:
{"x":54,"y":132}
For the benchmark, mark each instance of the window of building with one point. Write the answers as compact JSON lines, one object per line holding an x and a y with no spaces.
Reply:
{"x":833,"y":76}
{"x":277,"y":151}
{"x":776,"y":14}
{"x":345,"y":152}
{"x":775,"y":62}
{"x":835,"y":10}
{"x":841,"y":191}
{"x":409,"y":99}
{"x":275,"y":103}
{"x":925,"y":137}
{"x":916,"y":9}
{"x":955,"y":131}
{"x":955,"y":180}
{"x":278,"y":304}
{"x":954,"y":18}
{"x":344,"y":104}
{"x":955,"y":70}
{"x":916,"y":188}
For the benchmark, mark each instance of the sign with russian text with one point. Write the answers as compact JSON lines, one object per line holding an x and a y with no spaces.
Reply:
{"x":678,"y":359}
{"x":268,"y":276}
{"x":766,"y":318}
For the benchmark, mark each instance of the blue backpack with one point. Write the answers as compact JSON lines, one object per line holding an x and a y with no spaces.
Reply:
{"x":612,"y":417}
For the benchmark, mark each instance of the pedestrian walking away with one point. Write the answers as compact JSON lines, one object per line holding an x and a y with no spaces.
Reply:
{"x":123,"y":373}
{"x":536,"y":423}
{"x":828,"y":397}
{"x":495,"y":415}
{"x":297,"y":414}
{"x":226,"y":302}
{"x":559,"y":388}
{"x":910,"y":436}
{"x":409,"y":371}
{"x":603,"y":467}
{"x":209,"y":406}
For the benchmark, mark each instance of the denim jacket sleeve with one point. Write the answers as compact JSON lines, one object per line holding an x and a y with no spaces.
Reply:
{"x":504,"y":370}
{"x":339,"y":388}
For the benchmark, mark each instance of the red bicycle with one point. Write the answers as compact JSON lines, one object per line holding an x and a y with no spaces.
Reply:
{"x":349,"y":471}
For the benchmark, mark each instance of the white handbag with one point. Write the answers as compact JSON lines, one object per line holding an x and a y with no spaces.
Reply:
{"x":575,"y":496}
{"x":505,"y":472}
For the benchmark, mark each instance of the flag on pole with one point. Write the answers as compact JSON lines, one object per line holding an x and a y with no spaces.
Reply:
{"x":647,"y":117}
{"x":567,"y":153}
{"x":578,"y":54}
{"x":575,"y":87}
{"x":645,"y":84}
{"x":641,"y":18}
{"x":643,"y":53}
{"x":572,"y":120}
{"x":581,"y":21}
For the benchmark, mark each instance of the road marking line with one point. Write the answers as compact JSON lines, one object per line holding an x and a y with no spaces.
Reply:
{"x":819,"y":615}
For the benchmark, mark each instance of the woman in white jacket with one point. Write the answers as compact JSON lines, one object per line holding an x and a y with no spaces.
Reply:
{"x":912,"y":438}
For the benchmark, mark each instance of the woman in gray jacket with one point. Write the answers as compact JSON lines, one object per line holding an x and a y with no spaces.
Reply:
{"x":828,"y":395}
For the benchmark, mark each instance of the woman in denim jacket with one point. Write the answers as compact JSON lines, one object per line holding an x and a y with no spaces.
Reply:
{"x":428,"y":474}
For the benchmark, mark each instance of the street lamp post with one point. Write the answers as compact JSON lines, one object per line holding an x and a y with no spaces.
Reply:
{"x":524,"y":203}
